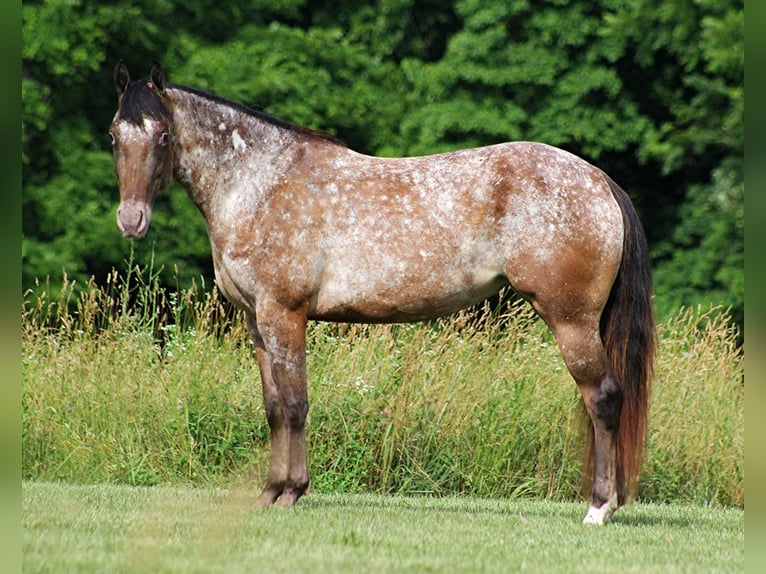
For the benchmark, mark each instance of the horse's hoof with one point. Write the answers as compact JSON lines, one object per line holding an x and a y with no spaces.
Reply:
{"x":287,"y":500}
{"x":601,"y":515}
{"x":266,"y":499}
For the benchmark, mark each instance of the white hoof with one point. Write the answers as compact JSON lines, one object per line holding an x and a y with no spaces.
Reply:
{"x":602,"y":514}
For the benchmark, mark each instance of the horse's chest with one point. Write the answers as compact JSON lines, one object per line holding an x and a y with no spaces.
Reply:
{"x":248,"y":269}
{"x":229,"y":281}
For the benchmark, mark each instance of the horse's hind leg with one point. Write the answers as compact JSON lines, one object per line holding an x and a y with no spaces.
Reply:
{"x":585,"y":357}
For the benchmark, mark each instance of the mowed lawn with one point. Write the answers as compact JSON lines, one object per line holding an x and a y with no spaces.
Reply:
{"x":98,"y":528}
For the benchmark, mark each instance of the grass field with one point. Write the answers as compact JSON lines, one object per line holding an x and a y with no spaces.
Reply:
{"x":69,"y":528}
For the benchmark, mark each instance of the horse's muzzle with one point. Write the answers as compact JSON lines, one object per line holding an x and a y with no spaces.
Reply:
{"x":133,"y":219}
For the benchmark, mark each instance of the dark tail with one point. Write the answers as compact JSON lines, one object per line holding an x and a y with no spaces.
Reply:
{"x":628,"y":332}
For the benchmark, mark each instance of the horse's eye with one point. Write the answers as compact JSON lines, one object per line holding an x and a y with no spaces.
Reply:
{"x":111,"y":138}
{"x":164,"y":137}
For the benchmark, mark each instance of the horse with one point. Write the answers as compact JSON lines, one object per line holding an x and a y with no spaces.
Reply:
{"x":303,"y":228}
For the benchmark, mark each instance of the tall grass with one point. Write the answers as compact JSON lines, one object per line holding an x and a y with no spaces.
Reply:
{"x":132,"y":384}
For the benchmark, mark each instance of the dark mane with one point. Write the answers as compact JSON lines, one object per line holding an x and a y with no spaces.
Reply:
{"x":138,"y":101}
{"x":260,"y":115}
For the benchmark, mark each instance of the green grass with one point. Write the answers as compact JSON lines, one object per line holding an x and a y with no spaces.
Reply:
{"x":102,"y":528}
{"x":129,"y":384}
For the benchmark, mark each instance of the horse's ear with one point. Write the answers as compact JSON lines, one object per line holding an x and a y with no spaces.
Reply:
{"x":158,"y":77}
{"x":121,"y":78}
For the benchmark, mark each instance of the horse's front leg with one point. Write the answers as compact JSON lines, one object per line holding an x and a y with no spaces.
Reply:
{"x":279,"y":337}
{"x":277,"y":476}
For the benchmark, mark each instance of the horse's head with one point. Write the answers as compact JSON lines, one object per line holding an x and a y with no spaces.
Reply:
{"x":141,"y":134}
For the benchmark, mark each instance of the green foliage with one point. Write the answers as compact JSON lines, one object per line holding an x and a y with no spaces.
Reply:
{"x":144,"y":386}
{"x":693,"y":65}
{"x":649,"y":90}
{"x":704,"y":259}
{"x":520,"y":72}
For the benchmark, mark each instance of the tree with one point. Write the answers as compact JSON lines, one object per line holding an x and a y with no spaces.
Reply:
{"x":517,"y":71}
{"x":692,"y":70}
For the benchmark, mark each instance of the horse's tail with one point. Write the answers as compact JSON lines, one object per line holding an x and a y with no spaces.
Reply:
{"x":628,"y":333}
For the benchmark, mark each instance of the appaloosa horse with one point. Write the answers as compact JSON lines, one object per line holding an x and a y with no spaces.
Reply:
{"x":302,"y":227}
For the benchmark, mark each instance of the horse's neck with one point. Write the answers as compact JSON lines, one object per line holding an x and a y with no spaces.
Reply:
{"x":220,"y":150}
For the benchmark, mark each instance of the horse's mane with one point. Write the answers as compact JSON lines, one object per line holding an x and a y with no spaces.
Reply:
{"x":259,"y":115}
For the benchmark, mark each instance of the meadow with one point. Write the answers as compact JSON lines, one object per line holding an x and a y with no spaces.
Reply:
{"x":125,"y":529}
{"x":130,"y":384}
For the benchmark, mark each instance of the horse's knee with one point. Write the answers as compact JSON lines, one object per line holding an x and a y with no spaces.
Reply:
{"x":295,"y":409}
{"x":287,"y":409}
{"x":290,"y":378}
{"x":273,"y":413}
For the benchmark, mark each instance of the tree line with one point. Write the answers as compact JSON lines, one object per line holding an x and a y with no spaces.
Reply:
{"x":651,"y":91}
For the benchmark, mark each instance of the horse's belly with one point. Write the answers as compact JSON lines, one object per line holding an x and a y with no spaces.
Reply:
{"x":405,"y":297}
